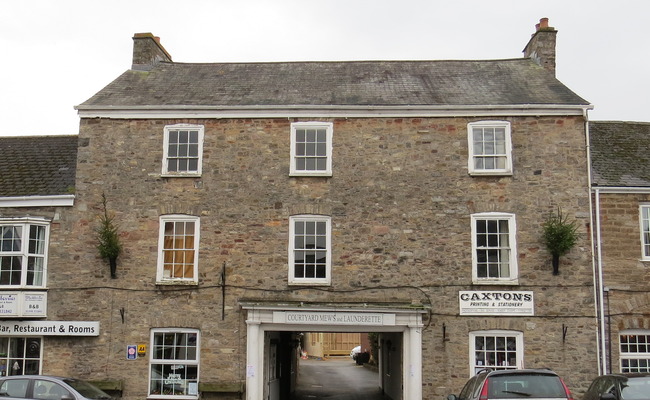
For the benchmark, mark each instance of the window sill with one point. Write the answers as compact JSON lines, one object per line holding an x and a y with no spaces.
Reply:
{"x":193,"y":175}
{"x":309,"y":283}
{"x":514,"y":282}
{"x":177,"y":283}
{"x":490,"y":173}
{"x":313,"y":174}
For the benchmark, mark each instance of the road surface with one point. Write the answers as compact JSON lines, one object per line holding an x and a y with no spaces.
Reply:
{"x":336,"y":379}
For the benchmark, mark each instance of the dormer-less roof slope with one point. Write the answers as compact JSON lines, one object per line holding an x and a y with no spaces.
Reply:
{"x":620,"y":154}
{"x":37,"y":166}
{"x":169,"y":85}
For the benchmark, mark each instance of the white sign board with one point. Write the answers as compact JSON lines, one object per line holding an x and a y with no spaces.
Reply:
{"x":333,"y":318}
{"x":23,"y":304}
{"x":49,"y":328}
{"x":496,"y":303}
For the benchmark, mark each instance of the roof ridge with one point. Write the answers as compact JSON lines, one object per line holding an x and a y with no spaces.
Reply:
{"x":342,"y":61}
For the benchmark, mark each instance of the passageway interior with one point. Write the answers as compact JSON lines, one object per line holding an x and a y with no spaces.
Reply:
{"x":336,"y":365}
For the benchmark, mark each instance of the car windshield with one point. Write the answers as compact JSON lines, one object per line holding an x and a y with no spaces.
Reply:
{"x":637,"y":388}
{"x":87,"y":390}
{"x":525,"y":386}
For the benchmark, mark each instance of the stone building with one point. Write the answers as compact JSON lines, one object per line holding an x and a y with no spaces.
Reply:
{"x":621,"y":192}
{"x":258,"y":201}
{"x":36,"y":192}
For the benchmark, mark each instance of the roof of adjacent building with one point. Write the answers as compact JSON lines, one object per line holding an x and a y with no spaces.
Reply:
{"x":620,"y":153}
{"x":37,"y":165}
{"x":356,"y":83}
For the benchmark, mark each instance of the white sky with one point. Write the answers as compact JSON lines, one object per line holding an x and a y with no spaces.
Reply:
{"x":58,"y":53}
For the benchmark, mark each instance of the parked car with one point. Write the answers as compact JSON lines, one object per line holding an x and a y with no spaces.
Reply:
{"x":514,"y":384}
{"x":42,"y":387}
{"x":619,"y":387}
{"x":354,"y":352}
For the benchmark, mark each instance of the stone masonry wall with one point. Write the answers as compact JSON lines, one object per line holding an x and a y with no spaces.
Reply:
{"x":625,"y":275}
{"x":400,"y":199}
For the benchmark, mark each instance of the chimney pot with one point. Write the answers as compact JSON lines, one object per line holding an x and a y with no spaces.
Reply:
{"x":543,"y":23}
{"x":541,"y":46}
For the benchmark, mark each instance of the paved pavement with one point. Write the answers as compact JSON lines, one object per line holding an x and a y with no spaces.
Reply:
{"x":337,"y":379}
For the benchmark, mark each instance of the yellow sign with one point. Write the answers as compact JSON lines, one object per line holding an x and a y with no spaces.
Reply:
{"x":142,"y":349}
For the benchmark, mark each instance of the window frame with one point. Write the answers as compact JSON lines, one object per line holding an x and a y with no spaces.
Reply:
{"x":161,"y":361}
{"x":165,"y":160}
{"x":644,"y":227}
{"x":512,"y":237}
{"x":471,"y":166}
{"x":638,"y":356}
{"x":329,"y":133}
{"x":292,"y":279}
{"x":474,"y":369}
{"x":24,"y":252}
{"x":23,"y":356}
{"x":160,"y":271}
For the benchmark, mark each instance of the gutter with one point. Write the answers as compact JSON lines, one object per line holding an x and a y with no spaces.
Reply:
{"x":622,"y":190}
{"x":602,"y":364}
{"x":597,"y":259}
{"x":66,"y":200}
{"x":368,"y":111}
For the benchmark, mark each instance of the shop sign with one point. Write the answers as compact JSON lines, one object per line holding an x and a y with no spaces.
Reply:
{"x":23,"y":304}
{"x":131,"y":353}
{"x":333,"y":318}
{"x":173,"y":379}
{"x":49,"y":328}
{"x":510,"y":303}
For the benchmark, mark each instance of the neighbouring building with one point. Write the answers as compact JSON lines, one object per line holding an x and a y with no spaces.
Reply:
{"x":36,"y":193}
{"x":329,"y":344}
{"x":259,"y":201}
{"x":620,"y":185}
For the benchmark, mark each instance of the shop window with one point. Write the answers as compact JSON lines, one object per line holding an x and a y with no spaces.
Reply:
{"x":495,"y":350}
{"x":20,"y":356}
{"x":174,"y":364}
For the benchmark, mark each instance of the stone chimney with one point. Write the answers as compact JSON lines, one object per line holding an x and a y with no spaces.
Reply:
{"x":147,"y":52}
{"x":541,"y":47}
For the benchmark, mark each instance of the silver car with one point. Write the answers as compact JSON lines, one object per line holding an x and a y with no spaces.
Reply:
{"x":42,"y":387}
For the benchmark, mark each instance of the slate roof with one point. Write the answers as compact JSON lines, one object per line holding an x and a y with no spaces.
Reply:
{"x":37,"y":165}
{"x":620,"y":153}
{"x":355,"y":83}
